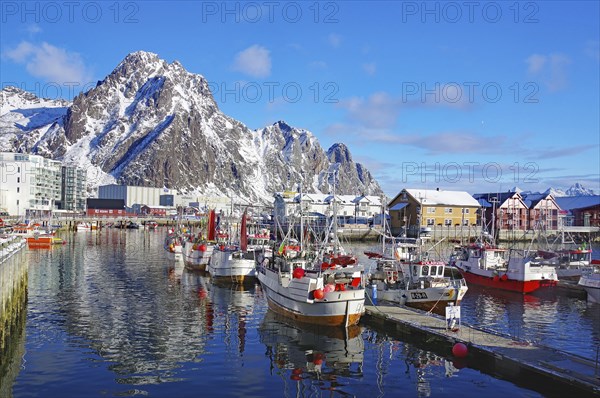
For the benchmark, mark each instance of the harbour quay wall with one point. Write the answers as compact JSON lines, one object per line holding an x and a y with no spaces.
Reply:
{"x":13,"y":313}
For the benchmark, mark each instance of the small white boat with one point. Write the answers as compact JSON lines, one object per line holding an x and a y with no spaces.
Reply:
{"x":232,"y":263}
{"x":590,"y":281}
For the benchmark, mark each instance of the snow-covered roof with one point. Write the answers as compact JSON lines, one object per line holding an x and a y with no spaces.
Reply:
{"x":315,"y":197}
{"x":442,"y":197}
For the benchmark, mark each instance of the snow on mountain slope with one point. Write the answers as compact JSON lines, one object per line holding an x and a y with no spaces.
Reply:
{"x":153,"y":123}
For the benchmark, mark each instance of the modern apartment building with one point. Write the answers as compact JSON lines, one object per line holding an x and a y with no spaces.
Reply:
{"x":30,"y":185}
{"x":73,"y":189}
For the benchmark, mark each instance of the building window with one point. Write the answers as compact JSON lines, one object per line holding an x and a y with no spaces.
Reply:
{"x":430,"y":221}
{"x":18,"y":189}
{"x":447,"y":222}
{"x":465,"y":211}
{"x":448,"y":210}
{"x":465,"y":222}
{"x":431,"y":210}
{"x":18,"y":180}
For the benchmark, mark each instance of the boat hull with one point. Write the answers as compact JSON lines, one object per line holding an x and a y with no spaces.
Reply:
{"x":520,"y":286}
{"x":591,"y":284}
{"x":231,"y":267}
{"x":336,"y":308}
{"x":429,"y":299}
{"x":195,"y":259}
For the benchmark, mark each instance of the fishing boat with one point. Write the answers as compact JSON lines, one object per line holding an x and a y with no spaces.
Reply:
{"x":173,"y":245}
{"x":403,"y":273}
{"x":36,"y":235}
{"x":197,"y":250}
{"x":234,"y":262}
{"x":508,"y":269}
{"x":590,"y":281}
{"x":309,"y":286}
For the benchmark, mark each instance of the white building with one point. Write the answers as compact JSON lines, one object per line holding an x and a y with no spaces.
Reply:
{"x":73,"y":190}
{"x":148,"y":196}
{"x":349,"y":207}
{"x":30,"y":185}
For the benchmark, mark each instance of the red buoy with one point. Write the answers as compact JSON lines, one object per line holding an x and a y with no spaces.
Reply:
{"x":318,"y":294}
{"x":202,"y":247}
{"x":298,"y":273}
{"x":504,"y":277}
{"x":460,"y":350}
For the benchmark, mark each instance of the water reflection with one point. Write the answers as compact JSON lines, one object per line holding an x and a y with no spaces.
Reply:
{"x":313,"y":356}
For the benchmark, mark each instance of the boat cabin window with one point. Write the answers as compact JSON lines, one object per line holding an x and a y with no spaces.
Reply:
{"x":425,"y":270}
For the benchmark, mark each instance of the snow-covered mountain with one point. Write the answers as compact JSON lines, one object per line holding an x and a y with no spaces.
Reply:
{"x":575,"y":190}
{"x":151,"y":123}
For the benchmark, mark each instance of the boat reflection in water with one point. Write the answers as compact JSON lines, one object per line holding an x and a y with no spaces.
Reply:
{"x":312,"y":355}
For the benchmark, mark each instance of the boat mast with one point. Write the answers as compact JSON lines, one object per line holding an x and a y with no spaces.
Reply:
{"x":301,"y":219}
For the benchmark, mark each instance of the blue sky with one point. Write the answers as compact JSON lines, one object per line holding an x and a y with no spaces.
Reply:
{"x":476,"y":96}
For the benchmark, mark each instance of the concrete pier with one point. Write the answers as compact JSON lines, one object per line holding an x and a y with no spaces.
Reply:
{"x":13,"y":312}
{"x":540,"y":368}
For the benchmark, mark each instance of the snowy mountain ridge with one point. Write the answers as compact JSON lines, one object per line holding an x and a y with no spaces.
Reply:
{"x":153,"y":123}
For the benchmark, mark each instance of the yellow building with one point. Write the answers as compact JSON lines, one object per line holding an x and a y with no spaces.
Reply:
{"x":427,"y":208}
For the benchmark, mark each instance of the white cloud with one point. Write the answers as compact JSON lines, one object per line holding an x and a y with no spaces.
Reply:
{"x":51,"y":63}
{"x":318,"y":65}
{"x":378,"y":111}
{"x":370,"y":68}
{"x":254,"y":61}
{"x":33,"y":29}
{"x":550,"y":69}
{"x":536,"y":62}
{"x":334,"y":39}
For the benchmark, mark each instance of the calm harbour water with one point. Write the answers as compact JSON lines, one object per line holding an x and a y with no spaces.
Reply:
{"x":109,"y":315}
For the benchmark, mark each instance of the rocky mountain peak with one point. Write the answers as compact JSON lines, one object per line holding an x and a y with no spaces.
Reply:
{"x":151,"y":123}
{"x":339,"y":153}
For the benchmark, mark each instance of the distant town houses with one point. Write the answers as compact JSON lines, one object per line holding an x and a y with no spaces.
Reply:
{"x":350,"y":209}
{"x":33,"y":186}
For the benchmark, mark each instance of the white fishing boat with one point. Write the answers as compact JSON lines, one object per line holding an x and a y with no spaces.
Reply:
{"x":403,"y":273}
{"x":311,"y":287}
{"x":590,"y":281}
{"x":197,"y":250}
{"x":173,"y":245}
{"x":234,"y":262}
